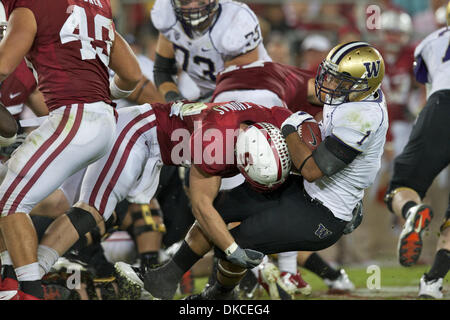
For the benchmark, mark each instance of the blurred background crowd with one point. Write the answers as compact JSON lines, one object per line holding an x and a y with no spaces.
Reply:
{"x":300,"y":33}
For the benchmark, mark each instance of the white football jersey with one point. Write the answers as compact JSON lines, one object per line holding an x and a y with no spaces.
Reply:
{"x":362,"y":126}
{"x":235,"y":31}
{"x":432,"y":66}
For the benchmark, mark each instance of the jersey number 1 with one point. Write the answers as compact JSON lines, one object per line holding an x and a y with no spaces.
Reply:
{"x":78,"y":20}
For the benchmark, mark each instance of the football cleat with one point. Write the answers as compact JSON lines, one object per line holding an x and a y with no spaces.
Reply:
{"x":187,"y":283}
{"x":431,"y":288}
{"x":295,"y":283}
{"x":270,"y":280}
{"x":248,"y":285}
{"x":130,"y":281}
{"x":410,"y":241}
{"x":24,"y":296}
{"x":213,"y":292}
{"x":8,"y":288}
{"x":340,"y":284}
{"x":55,"y":292}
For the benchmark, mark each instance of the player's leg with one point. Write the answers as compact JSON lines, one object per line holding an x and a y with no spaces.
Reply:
{"x":337,"y":280}
{"x":38,"y":167}
{"x":107,"y":182}
{"x":431,"y":282}
{"x":426,"y":154}
{"x":148,"y":230}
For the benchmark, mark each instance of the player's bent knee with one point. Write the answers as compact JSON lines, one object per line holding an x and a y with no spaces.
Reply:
{"x":82,"y":220}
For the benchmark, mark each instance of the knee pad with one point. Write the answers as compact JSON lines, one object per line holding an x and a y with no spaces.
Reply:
{"x":82,"y":220}
{"x":147,"y":215}
{"x":389,"y":196}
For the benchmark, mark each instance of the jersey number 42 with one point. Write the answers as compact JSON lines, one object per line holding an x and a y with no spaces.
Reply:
{"x":78,"y":21}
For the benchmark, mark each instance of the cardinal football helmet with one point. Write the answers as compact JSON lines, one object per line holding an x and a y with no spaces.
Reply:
{"x":262,"y":156}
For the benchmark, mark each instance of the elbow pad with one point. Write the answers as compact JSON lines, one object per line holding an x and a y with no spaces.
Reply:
{"x":163,"y":70}
{"x":333,"y":155}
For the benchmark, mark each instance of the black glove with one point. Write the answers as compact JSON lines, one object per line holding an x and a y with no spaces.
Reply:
{"x":246,"y":258}
{"x":172,"y":96}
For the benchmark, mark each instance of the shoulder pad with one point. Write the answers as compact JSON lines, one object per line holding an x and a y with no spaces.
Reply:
{"x":163,"y":15}
{"x":245,"y":34}
{"x":432,"y":36}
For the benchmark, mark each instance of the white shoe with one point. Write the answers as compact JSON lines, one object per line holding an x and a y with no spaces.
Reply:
{"x":270,"y":280}
{"x":431,"y":289}
{"x":294,"y":283}
{"x":342,"y":283}
{"x":131,"y":285}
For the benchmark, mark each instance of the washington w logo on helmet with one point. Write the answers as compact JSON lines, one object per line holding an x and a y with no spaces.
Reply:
{"x":373,"y":68}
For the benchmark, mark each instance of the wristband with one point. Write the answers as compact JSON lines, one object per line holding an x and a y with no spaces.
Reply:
{"x":118,"y":93}
{"x":231,"y":249}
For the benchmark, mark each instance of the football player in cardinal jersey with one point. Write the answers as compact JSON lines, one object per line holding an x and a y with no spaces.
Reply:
{"x":343,"y":165}
{"x":195,"y":36}
{"x":426,"y":154}
{"x":71,"y":53}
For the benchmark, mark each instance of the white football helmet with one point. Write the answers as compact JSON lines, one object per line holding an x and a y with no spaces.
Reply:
{"x":396,"y":28}
{"x":194,"y":12}
{"x":262,"y":156}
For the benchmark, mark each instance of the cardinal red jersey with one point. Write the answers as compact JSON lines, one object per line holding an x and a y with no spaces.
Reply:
{"x":289,"y":83}
{"x":71,"y":49}
{"x":397,"y":83}
{"x":208,"y":132}
{"x":16,"y":89}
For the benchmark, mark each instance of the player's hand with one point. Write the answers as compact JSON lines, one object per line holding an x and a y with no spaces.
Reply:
{"x":296,"y":119}
{"x":246,"y":258}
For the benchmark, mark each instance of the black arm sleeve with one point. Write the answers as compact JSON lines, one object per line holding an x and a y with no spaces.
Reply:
{"x":333,"y":155}
{"x":163,"y":70}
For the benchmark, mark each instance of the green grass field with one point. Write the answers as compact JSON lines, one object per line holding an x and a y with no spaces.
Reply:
{"x":395,"y":283}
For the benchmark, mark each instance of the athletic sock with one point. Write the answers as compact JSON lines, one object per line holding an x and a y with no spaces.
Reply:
{"x":47,"y":257}
{"x":440,"y":267}
{"x":185,"y":258}
{"x":149,"y":259}
{"x":406,"y":208}
{"x":287,"y":262}
{"x":320,"y":267}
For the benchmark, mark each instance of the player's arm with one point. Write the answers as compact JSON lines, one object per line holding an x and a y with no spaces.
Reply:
{"x":243,"y":59}
{"x":18,"y":40}
{"x":203,"y":190}
{"x":164,"y":70}
{"x":145,"y":92}
{"x":8,"y":125}
{"x":126,"y":67}
{"x":37,"y":104}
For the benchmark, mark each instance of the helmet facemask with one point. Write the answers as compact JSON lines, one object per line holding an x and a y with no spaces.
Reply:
{"x":334,"y":88}
{"x":194,"y":18}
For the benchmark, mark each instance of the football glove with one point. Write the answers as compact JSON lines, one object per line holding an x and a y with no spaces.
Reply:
{"x":246,"y":258}
{"x":294,"y":121}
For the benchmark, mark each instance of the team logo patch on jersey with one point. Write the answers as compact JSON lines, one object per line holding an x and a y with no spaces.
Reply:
{"x":373,"y":68}
{"x":322,"y":232}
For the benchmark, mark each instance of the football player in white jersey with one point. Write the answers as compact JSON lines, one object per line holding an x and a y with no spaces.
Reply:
{"x":424,"y":157}
{"x":202,"y":37}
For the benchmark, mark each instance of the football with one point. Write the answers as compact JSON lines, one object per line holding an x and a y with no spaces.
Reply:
{"x":309,"y":132}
